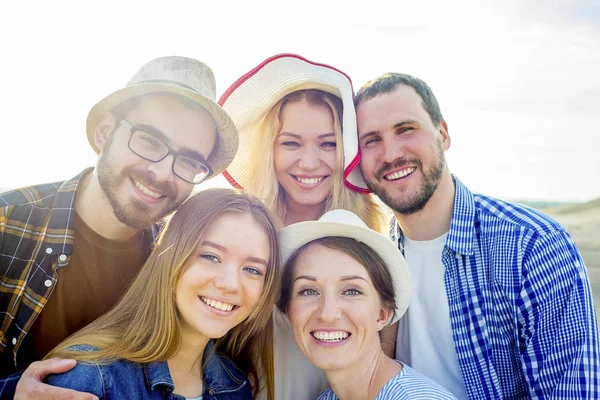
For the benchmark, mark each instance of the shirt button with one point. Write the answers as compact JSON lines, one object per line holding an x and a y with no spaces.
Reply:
{"x":14,"y":341}
{"x":48,"y":283}
{"x":49,"y":250}
{"x":62,"y":257}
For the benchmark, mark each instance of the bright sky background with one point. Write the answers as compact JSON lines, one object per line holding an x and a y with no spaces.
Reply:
{"x":518,"y":81}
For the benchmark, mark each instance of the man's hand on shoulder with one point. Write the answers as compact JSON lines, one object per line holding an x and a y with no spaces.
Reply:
{"x":32,"y":386}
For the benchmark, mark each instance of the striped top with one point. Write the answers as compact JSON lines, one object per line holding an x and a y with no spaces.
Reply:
{"x":407,"y":385}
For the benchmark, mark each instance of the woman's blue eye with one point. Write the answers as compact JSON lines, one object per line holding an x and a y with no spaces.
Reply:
{"x":254,"y":271}
{"x":353,"y":292}
{"x":291,"y":144}
{"x":210,"y":257}
{"x":307,"y":292}
{"x":329,"y":145}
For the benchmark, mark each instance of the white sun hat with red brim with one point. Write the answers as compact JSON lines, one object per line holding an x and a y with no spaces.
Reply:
{"x":343,"y":223}
{"x":249,"y":99}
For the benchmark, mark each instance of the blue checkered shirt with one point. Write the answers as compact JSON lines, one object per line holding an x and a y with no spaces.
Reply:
{"x":521,"y":308}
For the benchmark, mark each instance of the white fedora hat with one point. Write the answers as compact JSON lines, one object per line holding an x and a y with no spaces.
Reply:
{"x":256,"y":92}
{"x":346,"y":224}
{"x":184,"y":76}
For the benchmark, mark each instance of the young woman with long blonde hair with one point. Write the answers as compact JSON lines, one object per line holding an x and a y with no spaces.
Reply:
{"x":293,"y":117}
{"x":195,"y":320}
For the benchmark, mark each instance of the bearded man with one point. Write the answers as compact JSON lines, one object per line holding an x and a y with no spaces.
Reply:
{"x":502,"y":305}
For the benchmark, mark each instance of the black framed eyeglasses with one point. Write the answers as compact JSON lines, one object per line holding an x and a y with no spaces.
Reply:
{"x":151,"y":148}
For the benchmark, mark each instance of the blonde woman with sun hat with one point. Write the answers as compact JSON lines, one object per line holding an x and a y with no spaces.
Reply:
{"x":297,"y":129}
{"x":298,"y":141}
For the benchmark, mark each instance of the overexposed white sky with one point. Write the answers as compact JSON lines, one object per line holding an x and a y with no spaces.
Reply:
{"x":517,"y":80}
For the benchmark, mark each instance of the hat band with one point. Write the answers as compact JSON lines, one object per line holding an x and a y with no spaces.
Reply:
{"x":172,"y":83}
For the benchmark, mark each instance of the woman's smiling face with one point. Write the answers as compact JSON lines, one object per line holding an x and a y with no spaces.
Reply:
{"x":225,"y":282}
{"x":304,"y":153}
{"x":335,"y":310}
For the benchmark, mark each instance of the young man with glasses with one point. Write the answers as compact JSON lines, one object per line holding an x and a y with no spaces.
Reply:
{"x":69,"y":250}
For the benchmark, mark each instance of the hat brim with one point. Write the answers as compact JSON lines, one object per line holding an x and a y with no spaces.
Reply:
{"x":226,"y":129}
{"x":250,"y":98}
{"x":297,"y":235}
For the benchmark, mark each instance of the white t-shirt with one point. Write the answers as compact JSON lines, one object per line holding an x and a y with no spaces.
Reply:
{"x":296,"y":378}
{"x":424,"y":334}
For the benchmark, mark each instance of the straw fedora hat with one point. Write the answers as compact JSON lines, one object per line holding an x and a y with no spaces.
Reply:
{"x":184,"y":76}
{"x":347,"y":224}
{"x":256,"y":92}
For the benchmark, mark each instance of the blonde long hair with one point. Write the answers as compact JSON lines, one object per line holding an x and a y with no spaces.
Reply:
{"x":264,"y":184}
{"x":145,"y":326}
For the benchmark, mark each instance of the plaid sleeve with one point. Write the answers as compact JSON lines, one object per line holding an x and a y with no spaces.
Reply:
{"x":559,"y":331}
{"x":8,"y":384}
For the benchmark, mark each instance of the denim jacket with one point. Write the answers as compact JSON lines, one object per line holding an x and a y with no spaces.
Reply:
{"x":123,"y":379}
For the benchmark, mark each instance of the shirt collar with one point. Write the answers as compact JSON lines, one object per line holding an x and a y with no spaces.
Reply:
{"x":157,"y":374}
{"x":217,"y":376}
{"x":59,"y":234}
{"x":220,"y":374}
{"x":462,"y":224}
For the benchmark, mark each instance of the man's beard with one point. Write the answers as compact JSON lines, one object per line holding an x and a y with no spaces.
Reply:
{"x":136,"y":214}
{"x":404,"y":203}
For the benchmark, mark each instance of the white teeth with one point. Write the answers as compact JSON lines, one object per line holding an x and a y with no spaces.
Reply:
{"x":147,"y":191}
{"x":336,"y":336}
{"x":399,"y":174}
{"x":310,"y":181}
{"x":217,"y":304}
